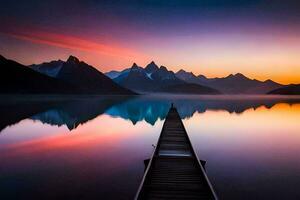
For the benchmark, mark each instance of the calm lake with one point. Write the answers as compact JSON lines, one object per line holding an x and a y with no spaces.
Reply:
{"x":95,"y":147}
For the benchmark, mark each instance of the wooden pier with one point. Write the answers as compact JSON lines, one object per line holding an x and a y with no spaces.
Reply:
{"x":174,"y":170}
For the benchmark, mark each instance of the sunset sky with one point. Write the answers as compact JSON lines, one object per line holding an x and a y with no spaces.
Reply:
{"x":259,"y":38}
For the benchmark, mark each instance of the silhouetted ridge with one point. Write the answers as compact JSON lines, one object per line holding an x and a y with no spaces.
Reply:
{"x":82,"y":75}
{"x":202,"y":76}
{"x":293,"y":89}
{"x":231,"y":84}
{"x":48,"y":68}
{"x":186,"y":76}
{"x":163,"y":68}
{"x":151,"y":67}
{"x":73,"y":59}
{"x":18,"y":78}
{"x":134,"y":65}
{"x":146,"y":80}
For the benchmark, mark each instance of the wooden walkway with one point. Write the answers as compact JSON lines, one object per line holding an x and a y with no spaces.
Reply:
{"x":174,"y":171}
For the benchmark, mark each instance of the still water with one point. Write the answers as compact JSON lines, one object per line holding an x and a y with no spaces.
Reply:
{"x":94,"y":147}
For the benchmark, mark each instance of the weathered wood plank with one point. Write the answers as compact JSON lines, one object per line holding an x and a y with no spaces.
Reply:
{"x":174,"y":170}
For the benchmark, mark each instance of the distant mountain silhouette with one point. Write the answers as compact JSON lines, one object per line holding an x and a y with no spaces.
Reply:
{"x":163,"y":77}
{"x":135,"y":79}
{"x":151,"y":68}
{"x":82,"y":75}
{"x":187,"y":76}
{"x":155,"y":79}
{"x":48,"y":68}
{"x":148,"y":79}
{"x":232,"y":84}
{"x":292,"y":89}
{"x":113,"y":74}
{"x":77,"y":77}
{"x":19,"y":79}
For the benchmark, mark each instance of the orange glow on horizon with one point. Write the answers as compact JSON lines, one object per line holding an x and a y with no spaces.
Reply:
{"x":259,"y":131}
{"x":273,"y":62}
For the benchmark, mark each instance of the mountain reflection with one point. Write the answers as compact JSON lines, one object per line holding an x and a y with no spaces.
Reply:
{"x":153,"y":108}
{"x":72,"y":112}
{"x":69,"y":111}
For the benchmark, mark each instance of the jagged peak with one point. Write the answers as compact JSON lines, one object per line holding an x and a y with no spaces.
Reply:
{"x":151,"y":67}
{"x":229,"y":76}
{"x":239,"y":75}
{"x":201,"y":76}
{"x":163,"y":68}
{"x":236,"y":75}
{"x":54,"y":61}
{"x":134,"y":65}
{"x":153,"y":64}
{"x":49,"y":62}
{"x":269,"y":81}
{"x":181,"y":71}
{"x":73,"y":59}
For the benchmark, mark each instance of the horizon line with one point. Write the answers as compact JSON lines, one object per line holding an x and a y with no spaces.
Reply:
{"x":209,"y":77}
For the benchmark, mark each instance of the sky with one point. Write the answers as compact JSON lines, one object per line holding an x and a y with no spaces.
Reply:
{"x":259,"y":38}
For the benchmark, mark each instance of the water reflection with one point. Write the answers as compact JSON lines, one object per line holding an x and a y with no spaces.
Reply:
{"x":56,"y":111}
{"x":153,"y":108}
{"x":101,"y":159}
{"x":254,"y":155}
{"x":251,"y":145}
{"x":72,"y":112}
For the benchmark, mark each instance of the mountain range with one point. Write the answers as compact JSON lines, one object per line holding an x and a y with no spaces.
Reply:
{"x":159,"y":79}
{"x":292,"y":89}
{"x":77,"y":77}
{"x":232,"y":84}
{"x":156,"y":79}
{"x":56,"y":77}
{"x":85,"y":77}
{"x":17,"y":78}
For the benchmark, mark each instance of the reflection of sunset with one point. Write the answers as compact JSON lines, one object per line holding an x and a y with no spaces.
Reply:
{"x":89,"y":136}
{"x":257,"y":132}
{"x":85,"y":159}
{"x":254,"y":129}
{"x":94,"y":152}
{"x":87,"y":87}
{"x":254,"y":145}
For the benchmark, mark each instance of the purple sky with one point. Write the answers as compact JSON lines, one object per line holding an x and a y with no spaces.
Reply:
{"x":259,"y":38}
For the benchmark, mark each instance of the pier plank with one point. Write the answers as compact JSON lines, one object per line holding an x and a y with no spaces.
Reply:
{"x":174,"y":170}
